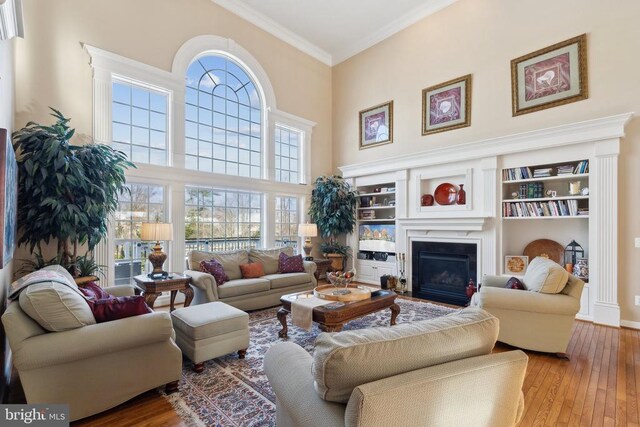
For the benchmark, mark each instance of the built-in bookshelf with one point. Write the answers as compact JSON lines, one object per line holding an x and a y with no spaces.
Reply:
{"x":557,"y":191}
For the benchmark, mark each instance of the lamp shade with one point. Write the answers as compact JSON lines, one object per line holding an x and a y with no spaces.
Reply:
{"x":156,"y":231}
{"x":307,"y":230}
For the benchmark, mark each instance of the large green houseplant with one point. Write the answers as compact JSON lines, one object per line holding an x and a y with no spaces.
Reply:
{"x":66,"y":193}
{"x":333,"y":210}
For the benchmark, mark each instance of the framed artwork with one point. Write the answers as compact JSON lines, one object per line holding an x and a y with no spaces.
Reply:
{"x":447,"y":106}
{"x":515,"y":264}
{"x":376,"y":125}
{"x":8,"y":198}
{"x":555,"y":75}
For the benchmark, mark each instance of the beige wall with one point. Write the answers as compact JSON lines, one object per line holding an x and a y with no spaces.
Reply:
{"x":481,"y":37}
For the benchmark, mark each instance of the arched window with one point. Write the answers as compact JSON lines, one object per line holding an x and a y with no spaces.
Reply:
{"x":223,"y":118}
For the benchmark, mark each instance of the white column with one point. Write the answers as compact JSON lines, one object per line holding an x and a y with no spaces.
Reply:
{"x":489,"y":196}
{"x":603,"y":233}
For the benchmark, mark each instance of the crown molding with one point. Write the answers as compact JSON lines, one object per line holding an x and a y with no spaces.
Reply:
{"x":272,"y":27}
{"x":428,"y":8}
{"x":11,"y":23}
{"x":600,"y":129}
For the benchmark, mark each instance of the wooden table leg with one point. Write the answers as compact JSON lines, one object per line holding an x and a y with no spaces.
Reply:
{"x":150,"y":298}
{"x":330,"y":328}
{"x":188,"y":295}
{"x":282,"y":317}
{"x":173,"y":300}
{"x":395,"y":310}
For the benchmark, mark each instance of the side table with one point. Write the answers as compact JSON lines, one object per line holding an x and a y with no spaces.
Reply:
{"x":323,"y":265}
{"x":152,"y":289}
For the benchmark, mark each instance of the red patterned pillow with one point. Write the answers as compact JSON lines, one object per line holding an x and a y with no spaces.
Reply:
{"x":515,"y":283}
{"x":290,"y":264}
{"x":94,"y":292}
{"x":106,"y":310}
{"x":215,"y":269}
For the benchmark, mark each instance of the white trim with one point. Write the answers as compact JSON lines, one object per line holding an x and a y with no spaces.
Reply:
{"x":11,"y":21}
{"x":428,"y":8}
{"x":630,"y":324}
{"x":574,"y":133}
{"x":272,"y":27}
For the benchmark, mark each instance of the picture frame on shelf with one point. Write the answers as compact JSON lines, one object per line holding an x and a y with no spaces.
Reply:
{"x":516,"y":264}
{"x":376,"y":125}
{"x":447,"y":106}
{"x":549,"y":77}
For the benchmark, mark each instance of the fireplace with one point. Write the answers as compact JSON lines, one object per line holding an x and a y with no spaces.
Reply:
{"x":441,"y":270}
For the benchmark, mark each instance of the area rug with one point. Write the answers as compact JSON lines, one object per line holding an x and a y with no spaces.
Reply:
{"x":234,"y":392}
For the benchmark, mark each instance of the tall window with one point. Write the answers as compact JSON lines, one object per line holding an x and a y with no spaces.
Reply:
{"x":139,"y":123}
{"x":144,"y":204}
{"x":223,"y":119}
{"x":286,"y":221}
{"x":218,"y":219}
{"x":288,"y":154}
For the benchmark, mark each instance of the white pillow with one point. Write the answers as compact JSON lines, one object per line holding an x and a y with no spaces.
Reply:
{"x":57,"y":268}
{"x":545,"y":276}
{"x":56,"y":307}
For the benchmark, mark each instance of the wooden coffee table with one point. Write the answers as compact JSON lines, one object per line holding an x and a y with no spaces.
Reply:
{"x":333,"y":319}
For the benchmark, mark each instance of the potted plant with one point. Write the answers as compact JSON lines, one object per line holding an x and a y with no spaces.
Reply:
{"x":333,"y":210}
{"x":66,"y":193}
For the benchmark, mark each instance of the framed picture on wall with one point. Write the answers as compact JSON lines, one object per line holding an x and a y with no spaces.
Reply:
{"x":516,"y":264}
{"x":8,"y":198}
{"x":555,"y":75}
{"x":376,"y":125}
{"x":447,"y":106}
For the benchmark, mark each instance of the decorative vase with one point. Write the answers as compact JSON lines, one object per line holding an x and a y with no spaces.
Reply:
{"x":426,"y":200}
{"x":470,"y":289}
{"x":462,"y":195}
{"x":581,"y":268}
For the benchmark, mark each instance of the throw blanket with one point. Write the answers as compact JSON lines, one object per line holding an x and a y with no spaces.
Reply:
{"x":38,"y":277}
{"x":302,"y":311}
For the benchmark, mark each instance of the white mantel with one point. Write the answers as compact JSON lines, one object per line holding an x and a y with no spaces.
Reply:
{"x":478,"y":165}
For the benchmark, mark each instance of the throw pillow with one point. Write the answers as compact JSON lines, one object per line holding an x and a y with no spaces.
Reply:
{"x":114,"y":308}
{"x":56,"y":307}
{"x":290,"y":264}
{"x":253,"y":270}
{"x":94,"y":292}
{"x":215,"y":269}
{"x":515,"y":283}
{"x":545,"y":276}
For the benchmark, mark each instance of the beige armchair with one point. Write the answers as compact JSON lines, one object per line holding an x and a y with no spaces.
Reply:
{"x":95,"y":367}
{"x":435,"y":372}
{"x":531,"y":320}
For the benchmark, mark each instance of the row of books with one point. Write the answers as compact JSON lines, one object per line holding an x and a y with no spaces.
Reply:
{"x":514,"y":174}
{"x":533,"y":209}
{"x":531,"y":190}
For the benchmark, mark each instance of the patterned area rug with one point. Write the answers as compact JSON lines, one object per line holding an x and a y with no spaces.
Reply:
{"x":234,"y":392}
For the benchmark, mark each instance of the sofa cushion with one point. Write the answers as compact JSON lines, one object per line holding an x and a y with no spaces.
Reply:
{"x":230,"y":261}
{"x":114,"y":308}
{"x":237,"y":287}
{"x":57,"y":268}
{"x":290,"y":263}
{"x":215,"y":269}
{"x":209,"y":320}
{"x":343,"y":361}
{"x":94,"y":292}
{"x":269,"y":257}
{"x":545,"y":276}
{"x":56,"y":307}
{"x":253,"y":270}
{"x":288,"y":279}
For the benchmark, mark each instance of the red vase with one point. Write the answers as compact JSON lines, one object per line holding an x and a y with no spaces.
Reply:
{"x":470,"y":289}
{"x":426,"y":200}
{"x":462,"y":196}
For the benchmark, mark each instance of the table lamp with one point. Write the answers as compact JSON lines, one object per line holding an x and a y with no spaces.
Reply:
{"x":157,"y":231}
{"x":307,"y":231}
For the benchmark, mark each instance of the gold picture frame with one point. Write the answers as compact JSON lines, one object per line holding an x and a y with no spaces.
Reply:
{"x":447,"y":106}
{"x":549,"y":77}
{"x":516,"y":264}
{"x":376,"y":125}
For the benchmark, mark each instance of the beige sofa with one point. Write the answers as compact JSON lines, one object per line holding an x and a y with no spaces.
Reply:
{"x":431,"y":373}
{"x":92,"y":367}
{"x":247,"y":294}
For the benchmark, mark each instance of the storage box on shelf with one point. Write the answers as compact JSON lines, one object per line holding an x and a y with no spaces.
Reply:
{"x":376,"y":232}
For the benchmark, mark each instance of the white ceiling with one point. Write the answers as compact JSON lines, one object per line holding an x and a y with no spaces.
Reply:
{"x":333,"y":30}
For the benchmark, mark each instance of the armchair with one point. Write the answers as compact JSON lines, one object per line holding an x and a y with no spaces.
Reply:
{"x":96,"y":367}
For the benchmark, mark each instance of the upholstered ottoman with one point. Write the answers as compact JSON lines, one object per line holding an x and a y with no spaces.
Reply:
{"x":210,"y":330}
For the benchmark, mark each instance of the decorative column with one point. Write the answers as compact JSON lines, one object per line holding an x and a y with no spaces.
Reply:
{"x":491,"y":196}
{"x":603,"y":232}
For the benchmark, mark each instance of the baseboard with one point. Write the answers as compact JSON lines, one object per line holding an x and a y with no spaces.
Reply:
{"x":584,"y":317}
{"x":606,"y":314}
{"x":630,"y":324}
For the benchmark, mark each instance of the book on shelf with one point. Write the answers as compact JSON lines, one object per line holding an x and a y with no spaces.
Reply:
{"x":531,"y":190}
{"x":541,"y":209}
{"x":542,"y":172}
{"x":582,"y":167}
{"x":565,"y":169}
{"x":514,"y":174}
